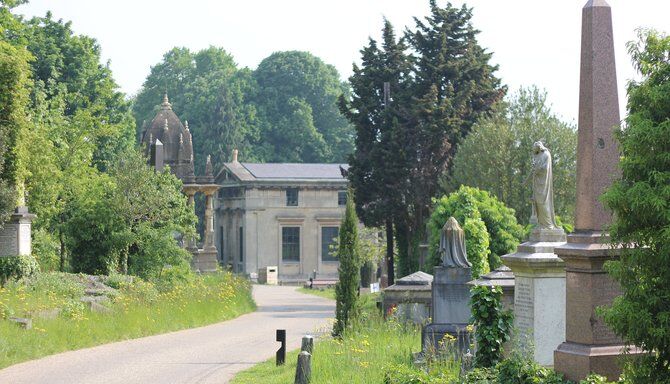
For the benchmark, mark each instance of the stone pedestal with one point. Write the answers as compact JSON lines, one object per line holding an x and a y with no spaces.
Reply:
{"x":450,"y":307}
{"x":539,"y":293}
{"x":15,"y":236}
{"x":204,"y":260}
{"x":590,"y":346}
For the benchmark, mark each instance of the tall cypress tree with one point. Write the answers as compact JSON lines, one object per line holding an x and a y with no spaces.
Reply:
{"x":453,"y":86}
{"x":377,"y":164}
{"x":346,"y":290}
{"x":441,"y":83}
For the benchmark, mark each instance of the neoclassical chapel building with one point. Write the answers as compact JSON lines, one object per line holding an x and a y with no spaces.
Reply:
{"x":264,"y":215}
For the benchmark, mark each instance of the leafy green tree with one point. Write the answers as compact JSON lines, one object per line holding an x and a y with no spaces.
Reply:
{"x":463,"y":207}
{"x":641,"y":224}
{"x":208,"y":90}
{"x":297,"y":103}
{"x":125,"y":221}
{"x":503,"y":233}
{"x":508,"y":136}
{"x":14,"y":80}
{"x":69,"y":66}
{"x":346,"y":289}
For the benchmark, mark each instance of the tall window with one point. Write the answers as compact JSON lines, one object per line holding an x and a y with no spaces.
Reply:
{"x":290,"y":243}
{"x":328,"y":236}
{"x":292,"y":197}
{"x":342,"y":198}
{"x":241,"y":244}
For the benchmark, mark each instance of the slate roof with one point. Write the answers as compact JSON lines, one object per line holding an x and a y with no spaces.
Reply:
{"x":295,"y":171}
{"x":287,"y":171}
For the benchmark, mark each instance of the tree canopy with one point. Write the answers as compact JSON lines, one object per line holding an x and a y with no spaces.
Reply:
{"x":507,"y":138}
{"x":284,"y":111}
{"x":640,"y":202}
{"x":440,"y":83}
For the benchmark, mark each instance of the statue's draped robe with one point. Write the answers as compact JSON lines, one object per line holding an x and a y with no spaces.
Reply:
{"x":543,"y":191}
{"x":452,"y":245}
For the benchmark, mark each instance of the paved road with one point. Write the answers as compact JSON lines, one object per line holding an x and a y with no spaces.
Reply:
{"x":211,"y":354}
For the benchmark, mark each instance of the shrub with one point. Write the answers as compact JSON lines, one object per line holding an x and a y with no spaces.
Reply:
{"x":462,"y":208}
{"x":640,"y":203}
{"x":16,"y":267}
{"x":492,"y":324}
{"x":491,"y":230}
{"x":517,"y":370}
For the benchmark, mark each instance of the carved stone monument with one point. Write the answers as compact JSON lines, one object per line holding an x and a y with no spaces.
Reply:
{"x":15,"y":237}
{"x":450,"y":292}
{"x":539,"y":293}
{"x":590,"y":346}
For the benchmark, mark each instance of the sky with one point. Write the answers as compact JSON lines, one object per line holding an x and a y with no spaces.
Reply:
{"x":535,"y":42}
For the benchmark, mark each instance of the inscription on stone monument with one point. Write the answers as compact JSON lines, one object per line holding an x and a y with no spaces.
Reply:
{"x":8,"y":243}
{"x":523,"y":304}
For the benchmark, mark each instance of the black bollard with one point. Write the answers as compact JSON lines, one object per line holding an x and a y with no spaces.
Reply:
{"x":281,"y":353}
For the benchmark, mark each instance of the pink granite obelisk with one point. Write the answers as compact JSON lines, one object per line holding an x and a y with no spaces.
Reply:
{"x":590,"y":345}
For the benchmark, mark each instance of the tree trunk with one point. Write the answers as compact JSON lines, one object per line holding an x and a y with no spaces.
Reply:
{"x":61,"y":268}
{"x":389,"y":252}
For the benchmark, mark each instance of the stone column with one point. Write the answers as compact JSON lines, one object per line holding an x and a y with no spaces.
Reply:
{"x":590,"y":346}
{"x":189,"y":243}
{"x":539,"y":293}
{"x":209,"y":222}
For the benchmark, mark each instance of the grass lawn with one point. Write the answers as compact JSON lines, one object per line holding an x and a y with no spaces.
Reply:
{"x":328,"y":293}
{"x":364,"y":355}
{"x":136,"y":309}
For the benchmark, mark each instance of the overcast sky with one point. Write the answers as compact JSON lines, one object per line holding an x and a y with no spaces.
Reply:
{"x":533,"y":41}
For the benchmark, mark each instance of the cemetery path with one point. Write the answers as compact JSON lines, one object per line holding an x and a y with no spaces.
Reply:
{"x":210,"y":354}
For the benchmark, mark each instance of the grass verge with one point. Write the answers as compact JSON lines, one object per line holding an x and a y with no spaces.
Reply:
{"x":328,"y":293}
{"x":364,"y":355}
{"x":136,"y":309}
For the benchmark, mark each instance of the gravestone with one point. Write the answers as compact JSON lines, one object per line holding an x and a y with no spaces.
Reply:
{"x":450,"y":292}
{"x":539,"y":292}
{"x":590,"y":346}
{"x":15,"y":238}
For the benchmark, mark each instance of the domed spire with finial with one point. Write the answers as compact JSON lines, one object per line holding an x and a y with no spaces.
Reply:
{"x":186,"y":125}
{"x":166,"y":102}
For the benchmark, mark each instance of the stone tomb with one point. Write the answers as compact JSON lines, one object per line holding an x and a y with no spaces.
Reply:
{"x":411,"y":298}
{"x":539,"y":293}
{"x":15,"y":237}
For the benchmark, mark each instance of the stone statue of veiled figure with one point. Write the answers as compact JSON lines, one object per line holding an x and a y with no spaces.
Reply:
{"x":543,"y":191}
{"x":452,"y":246}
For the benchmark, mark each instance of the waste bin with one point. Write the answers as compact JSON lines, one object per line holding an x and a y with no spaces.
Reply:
{"x":268,"y":275}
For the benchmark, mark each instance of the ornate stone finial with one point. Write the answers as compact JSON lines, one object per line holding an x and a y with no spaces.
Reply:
{"x":209,"y":171}
{"x":181,"y":139}
{"x":452,"y":246}
{"x":186,"y":125}
{"x":166,"y":127}
{"x":151,"y":138}
{"x":166,"y":103}
{"x":542,"y":214}
{"x":235,"y":153}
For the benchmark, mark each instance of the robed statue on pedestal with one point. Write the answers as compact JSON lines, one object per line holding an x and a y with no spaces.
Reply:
{"x":543,"y":191}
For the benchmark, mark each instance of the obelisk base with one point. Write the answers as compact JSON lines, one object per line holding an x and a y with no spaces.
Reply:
{"x":590,"y":346}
